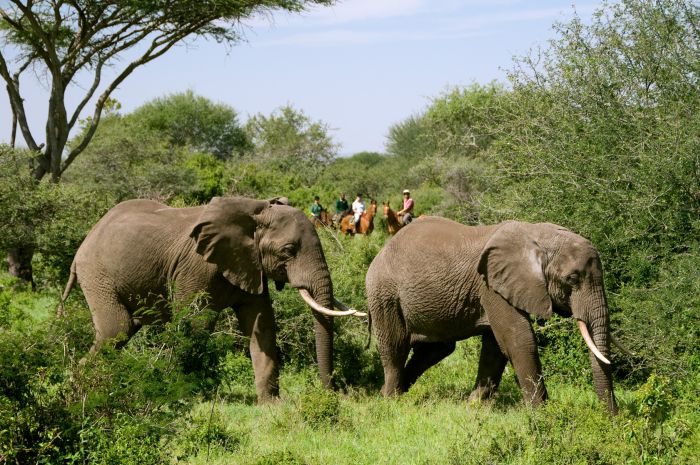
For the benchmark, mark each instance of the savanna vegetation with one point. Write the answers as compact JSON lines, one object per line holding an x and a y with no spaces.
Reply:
{"x":598,"y":132}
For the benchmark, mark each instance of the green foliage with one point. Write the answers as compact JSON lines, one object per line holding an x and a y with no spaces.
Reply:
{"x":24,"y":203}
{"x":280,"y":458}
{"x":599,"y":135}
{"x":118,"y":406}
{"x":189,"y":120}
{"x":290,"y":141}
{"x":209,"y":174}
{"x":660,"y":321}
{"x":124,"y":441}
{"x":444,"y":149}
{"x":206,"y":430}
{"x":455,"y":120}
{"x":128,"y":160}
{"x":410,"y":139}
{"x":318,"y":406}
{"x":52,"y":218}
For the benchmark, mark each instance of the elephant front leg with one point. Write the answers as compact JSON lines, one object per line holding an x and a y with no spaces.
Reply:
{"x":516,"y":338}
{"x":492,"y":362}
{"x":259,"y":324}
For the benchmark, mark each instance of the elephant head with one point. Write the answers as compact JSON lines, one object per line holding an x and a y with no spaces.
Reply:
{"x":253,"y":240}
{"x":544,"y":268}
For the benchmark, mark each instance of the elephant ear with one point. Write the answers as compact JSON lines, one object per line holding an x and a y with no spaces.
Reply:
{"x":225,"y":236}
{"x":512,"y":264}
{"x":279,"y":201}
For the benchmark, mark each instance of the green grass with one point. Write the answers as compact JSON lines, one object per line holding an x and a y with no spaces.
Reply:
{"x":141,"y":404}
{"x":433,"y":424}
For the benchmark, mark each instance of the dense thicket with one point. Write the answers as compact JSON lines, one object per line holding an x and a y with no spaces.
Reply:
{"x":597,"y":132}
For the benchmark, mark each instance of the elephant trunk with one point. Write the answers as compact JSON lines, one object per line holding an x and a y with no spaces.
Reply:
{"x":322,"y":295}
{"x":598,"y":321}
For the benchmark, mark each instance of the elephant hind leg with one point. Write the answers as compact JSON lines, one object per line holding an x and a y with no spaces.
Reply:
{"x":393,"y":338}
{"x":492,"y":362}
{"x":394,"y":360}
{"x":425,"y":355}
{"x":111,"y":320}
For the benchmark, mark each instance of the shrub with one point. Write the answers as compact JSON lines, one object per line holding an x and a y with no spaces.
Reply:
{"x":318,"y":406}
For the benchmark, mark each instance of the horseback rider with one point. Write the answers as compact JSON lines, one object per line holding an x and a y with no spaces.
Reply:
{"x":406,"y":212}
{"x":358,"y":208}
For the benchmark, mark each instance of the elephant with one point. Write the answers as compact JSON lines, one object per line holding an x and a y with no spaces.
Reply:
{"x":228,"y":249}
{"x":438,"y":281}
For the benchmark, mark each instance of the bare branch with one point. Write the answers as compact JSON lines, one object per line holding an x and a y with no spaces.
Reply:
{"x":88,"y":95}
{"x":152,"y":53}
{"x":17,"y":104}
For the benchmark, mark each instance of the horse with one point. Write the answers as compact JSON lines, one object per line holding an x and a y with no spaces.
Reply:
{"x":393,"y":222}
{"x":366,"y":223}
{"x":324,"y":219}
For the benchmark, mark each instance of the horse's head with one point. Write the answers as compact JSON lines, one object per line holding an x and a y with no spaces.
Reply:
{"x":387,"y":209}
{"x":373,"y":207}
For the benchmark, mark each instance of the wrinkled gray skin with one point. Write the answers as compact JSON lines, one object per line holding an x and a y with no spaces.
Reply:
{"x":437,"y":282}
{"x":228,"y":248}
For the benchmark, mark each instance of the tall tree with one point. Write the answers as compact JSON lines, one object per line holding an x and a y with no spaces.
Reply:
{"x":195,"y":121}
{"x":288,"y":139}
{"x":66,"y":38}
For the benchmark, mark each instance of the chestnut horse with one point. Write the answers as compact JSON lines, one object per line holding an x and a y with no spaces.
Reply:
{"x":366,"y":223}
{"x":324,"y":219}
{"x":393,"y":222}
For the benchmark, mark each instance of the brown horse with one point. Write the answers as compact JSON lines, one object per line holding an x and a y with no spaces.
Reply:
{"x":324,"y":219}
{"x":393,"y":222}
{"x":366,"y":223}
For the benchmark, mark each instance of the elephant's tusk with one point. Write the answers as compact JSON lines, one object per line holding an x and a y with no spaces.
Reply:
{"x":341,"y":306}
{"x":589,"y":342}
{"x":320,"y":308}
{"x":624,"y":349}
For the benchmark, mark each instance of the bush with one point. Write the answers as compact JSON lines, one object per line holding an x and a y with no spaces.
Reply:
{"x":318,"y":406}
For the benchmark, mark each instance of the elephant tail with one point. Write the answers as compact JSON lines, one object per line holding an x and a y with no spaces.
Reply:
{"x":60,"y":310}
{"x":369,"y":330}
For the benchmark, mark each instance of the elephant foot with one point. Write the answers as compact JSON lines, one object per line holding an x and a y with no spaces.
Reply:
{"x":268,"y":399}
{"x":391,"y":391}
{"x":481,"y":393}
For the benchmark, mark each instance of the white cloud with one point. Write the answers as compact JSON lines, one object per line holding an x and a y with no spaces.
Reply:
{"x":365,"y":10}
{"x":424,"y":24}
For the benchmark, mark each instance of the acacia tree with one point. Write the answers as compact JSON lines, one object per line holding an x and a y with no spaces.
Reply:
{"x":68,"y":38}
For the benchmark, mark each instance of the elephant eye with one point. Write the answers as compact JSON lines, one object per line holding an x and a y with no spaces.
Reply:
{"x":288,"y":250}
{"x":573,"y":279}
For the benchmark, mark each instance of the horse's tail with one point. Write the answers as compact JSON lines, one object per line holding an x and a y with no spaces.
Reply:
{"x":60,"y":310}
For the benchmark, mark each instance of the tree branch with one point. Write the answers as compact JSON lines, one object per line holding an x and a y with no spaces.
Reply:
{"x":17,"y":104}
{"x":88,"y":95}
{"x":152,"y":53}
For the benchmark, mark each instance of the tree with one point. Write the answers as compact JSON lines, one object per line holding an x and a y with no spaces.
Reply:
{"x":289,"y":139}
{"x":170,"y":147}
{"x":67,"y":38}
{"x":126,"y":159}
{"x":601,"y":134}
{"x":194,"y":121}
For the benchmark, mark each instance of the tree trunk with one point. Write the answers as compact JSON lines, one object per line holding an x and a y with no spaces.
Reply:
{"x":19,"y":260}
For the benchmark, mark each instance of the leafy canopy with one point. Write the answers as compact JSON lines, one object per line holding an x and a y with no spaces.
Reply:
{"x":195,"y":121}
{"x":66,"y":38}
{"x":601,"y":134}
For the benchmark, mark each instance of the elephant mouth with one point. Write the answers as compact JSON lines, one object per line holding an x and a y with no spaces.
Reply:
{"x":343,"y":309}
{"x":562,"y":311}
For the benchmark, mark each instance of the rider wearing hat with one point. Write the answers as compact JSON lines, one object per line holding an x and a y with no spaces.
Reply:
{"x":406,"y":212}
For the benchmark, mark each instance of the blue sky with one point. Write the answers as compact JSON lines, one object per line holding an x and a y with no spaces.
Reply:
{"x":360,"y":66}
